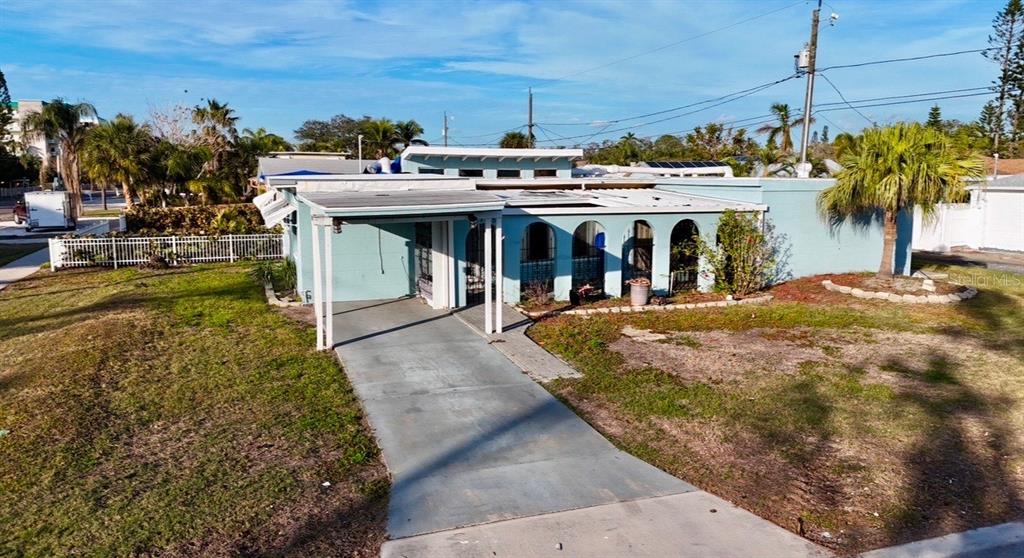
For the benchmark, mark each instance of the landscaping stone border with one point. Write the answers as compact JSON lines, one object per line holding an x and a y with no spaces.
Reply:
{"x":648,"y":308}
{"x":855,"y":292}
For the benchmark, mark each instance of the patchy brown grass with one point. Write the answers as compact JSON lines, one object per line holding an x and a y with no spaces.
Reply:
{"x":854,"y":423}
{"x":175,"y":413}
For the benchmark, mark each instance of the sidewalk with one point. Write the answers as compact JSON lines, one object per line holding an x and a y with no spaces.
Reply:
{"x":23,"y":267}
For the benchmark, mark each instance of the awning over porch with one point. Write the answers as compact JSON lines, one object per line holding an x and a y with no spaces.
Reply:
{"x":400,"y":203}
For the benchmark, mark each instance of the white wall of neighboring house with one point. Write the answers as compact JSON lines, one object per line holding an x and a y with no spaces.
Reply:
{"x":38,"y":145}
{"x":993,"y":219}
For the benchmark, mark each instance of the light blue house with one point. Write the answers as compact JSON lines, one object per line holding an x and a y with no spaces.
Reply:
{"x":457,"y":216}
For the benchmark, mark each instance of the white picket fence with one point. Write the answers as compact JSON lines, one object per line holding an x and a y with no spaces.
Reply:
{"x":176,"y":250}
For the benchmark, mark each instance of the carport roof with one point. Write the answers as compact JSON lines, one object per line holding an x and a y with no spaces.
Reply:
{"x":390,"y":203}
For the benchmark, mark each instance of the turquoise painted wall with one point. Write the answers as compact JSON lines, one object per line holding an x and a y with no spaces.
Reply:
{"x":814,"y":247}
{"x":618,"y":229}
{"x":490,"y":166}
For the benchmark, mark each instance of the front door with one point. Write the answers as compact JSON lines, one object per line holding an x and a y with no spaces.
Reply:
{"x":424,"y":261}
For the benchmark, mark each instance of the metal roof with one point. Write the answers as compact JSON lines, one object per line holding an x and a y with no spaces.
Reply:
{"x":490,"y":152}
{"x":279,"y":166}
{"x":402,"y":202}
{"x":618,"y":200}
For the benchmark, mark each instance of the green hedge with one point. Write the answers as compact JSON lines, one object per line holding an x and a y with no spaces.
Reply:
{"x":243,"y":218}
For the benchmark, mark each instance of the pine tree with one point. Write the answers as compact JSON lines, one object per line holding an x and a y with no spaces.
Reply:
{"x":1006,"y":50}
{"x":934,"y":118}
{"x":6,"y":117}
{"x":814,"y":137}
{"x":824,"y":134}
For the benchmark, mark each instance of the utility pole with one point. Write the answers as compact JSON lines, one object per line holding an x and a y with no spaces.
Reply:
{"x":444,"y":130}
{"x":812,"y":48}
{"x":529,"y":119}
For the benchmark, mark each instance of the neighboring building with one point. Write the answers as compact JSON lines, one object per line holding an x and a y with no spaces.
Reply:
{"x":365,"y":237}
{"x":299,"y":162}
{"x":493,"y":163}
{"x":993,"y":218}
{"x":37,"y":145}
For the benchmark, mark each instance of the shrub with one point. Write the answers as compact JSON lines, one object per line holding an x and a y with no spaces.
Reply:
{"x":746,"y":257}
{"x":195,"y":220}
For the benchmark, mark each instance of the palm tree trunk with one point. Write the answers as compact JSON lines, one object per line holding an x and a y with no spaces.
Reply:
{"x":888,"y":245}
{"x":103,"y":195}
{"x":129,"y":195}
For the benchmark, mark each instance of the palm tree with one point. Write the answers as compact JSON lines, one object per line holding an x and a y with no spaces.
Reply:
{"x":629,"y":146}
{"x":217,"y":130}
{"x":67,"y":124}
{"x":380,"y":135}
{"x":408,"y":130}
{"x":844,"y":143}
{"x":118,"y":151}
{"x":894,"y":169}
{"x":780,"y":131}
{"x":515,"y":140}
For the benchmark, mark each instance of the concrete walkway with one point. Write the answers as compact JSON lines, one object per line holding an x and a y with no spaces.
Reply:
{"x":470,"y":440}
{"x":516,"y":346}
{"x":23,"y":267}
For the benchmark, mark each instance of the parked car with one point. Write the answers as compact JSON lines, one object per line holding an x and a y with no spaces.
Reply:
{"x":20,"y":212}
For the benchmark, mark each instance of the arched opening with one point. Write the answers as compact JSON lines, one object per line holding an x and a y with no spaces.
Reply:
{"x":684,"y":261}
{"x":537,"y":261}
{"x":588,"y":244}
{"x":638,"y":252}
{"x":475,"y":264}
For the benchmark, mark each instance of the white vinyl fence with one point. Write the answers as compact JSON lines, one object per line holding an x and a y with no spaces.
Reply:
{"x":176,"y":250}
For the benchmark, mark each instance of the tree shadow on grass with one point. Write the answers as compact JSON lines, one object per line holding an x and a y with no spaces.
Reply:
{"x":957,"y":476}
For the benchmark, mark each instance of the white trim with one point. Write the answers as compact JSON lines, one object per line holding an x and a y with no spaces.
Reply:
{"x":488,"y":299}
{"x":598,"y":210}
{"x":498,"y":278}
{"x":451,"y":274}
{"x":489,"y":152}
{"x":317,"y":287}
{"x":329,"y":287}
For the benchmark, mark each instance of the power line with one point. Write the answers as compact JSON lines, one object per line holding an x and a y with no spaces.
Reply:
{"x":892,"y":103}
{"x":841,"y":96}
{"x":721,"y":101}
{"x":908,"y":59}
{"x":985,"y":88}
{"x":676,"y":43}
{"x":673,"y":109}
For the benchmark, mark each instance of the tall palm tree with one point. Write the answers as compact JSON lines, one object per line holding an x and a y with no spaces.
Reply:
{"x":515,"y":140}
{"x":780,"y":130}
{"x":844,"y":143}
{"x":118,"y":151}
{"x":380,"y":135}
{"x":217,"y":131}
{"x":894,"y":169}
{"x":67,"y":124}
{"x":408,"y":130}
{"x":629,"y":146}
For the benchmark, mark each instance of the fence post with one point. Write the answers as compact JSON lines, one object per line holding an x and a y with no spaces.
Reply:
{"x":54,"y":261}
{"x":174,"y":249}
{"x":231,"y":247}
{"x":113,"y":250}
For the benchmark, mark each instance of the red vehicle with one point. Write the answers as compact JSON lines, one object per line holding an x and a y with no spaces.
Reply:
{"x":20,"y":212}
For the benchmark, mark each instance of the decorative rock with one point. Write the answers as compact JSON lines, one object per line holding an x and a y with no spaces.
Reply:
{"x":937,"y":299}
{"x":827,"y":283}
{"x":928,"y":285}
{"x":893,"y":297}
{"x":953,"y":297}
{"x":910,"y":298}
{"x":844,"y":289}
{"x":859,"y":293}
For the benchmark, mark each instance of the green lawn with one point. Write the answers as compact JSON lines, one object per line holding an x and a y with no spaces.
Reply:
{"x":11,"y":252}
{"x":101,"y":213}
{"x":859,"y":424}
{"x":173,"y":412}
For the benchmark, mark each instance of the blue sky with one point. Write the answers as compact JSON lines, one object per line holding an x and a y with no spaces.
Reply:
{"x":280,"y":63}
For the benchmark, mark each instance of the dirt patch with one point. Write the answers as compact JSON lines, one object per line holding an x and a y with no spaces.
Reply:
{"x":302,"y":314}
{"x":853,"y":438}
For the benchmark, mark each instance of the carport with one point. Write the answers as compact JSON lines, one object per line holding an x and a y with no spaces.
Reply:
{"x":431,"y":267}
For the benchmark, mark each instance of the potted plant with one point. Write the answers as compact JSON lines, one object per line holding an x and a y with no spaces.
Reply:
{"x":639,"y":291}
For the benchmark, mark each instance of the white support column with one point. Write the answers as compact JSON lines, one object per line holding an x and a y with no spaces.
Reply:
{"x":488,"y":298}
{"x":329,"y":280}
{"x":451,"y":275}
{"x":318,"y":286}
{"x":499,"y":279}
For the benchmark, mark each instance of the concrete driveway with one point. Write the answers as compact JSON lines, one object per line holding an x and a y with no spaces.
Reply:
{"x":467,"y":436}
{"x":486,"y":462}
